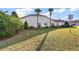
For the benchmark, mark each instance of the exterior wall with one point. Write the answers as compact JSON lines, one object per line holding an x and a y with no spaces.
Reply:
{"x":74,"y":24}
{"x":60,"y":23}
{"x":42,"y":20}
{"x":32,"y":21}
{"x":54,"y":22}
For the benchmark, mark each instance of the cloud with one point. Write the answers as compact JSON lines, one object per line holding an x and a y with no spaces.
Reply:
{"x":56,"y":10}
{"x":75,"y":18}
{"x":60,"y":10}
{"x":65,"y":18}
{"x":74,"y":9}
{"x":54,"y":13}
{"x":46,"y":14}
{"x":23,"y":11}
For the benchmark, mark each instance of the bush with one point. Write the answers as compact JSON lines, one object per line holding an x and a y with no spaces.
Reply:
{"x":25,"y":25}
{"x":66,"y":24}
{"x":31,"y":27}
{"x":9,"y":25}
{"x":46,"y":27}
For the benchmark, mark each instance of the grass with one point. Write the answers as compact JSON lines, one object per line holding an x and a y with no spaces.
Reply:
{"x":62,"y":40}
{"x":56,"y":40}
{"x":22,"y":36}
{"x":77,"y":26}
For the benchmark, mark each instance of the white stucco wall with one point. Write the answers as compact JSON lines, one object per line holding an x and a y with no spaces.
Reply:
{"x":53,"y":22}
{"x":59,"y":23}
{"x":32,"y":21}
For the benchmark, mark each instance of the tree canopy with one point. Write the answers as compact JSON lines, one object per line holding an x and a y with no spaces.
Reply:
{"x":66,"y":24}
{"x":14,"y":14}
{"x":9,"y":25}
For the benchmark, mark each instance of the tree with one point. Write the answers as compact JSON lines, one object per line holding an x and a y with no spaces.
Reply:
{"x":9,"y":25}
{"x":50,"y":10}
{"x":37,"y":14}
{"x":66,"y":24}
{"x":25,"y":25}
{"x":14,"y":14}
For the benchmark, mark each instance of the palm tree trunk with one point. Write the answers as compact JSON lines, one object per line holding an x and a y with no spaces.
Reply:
{"x":70,"y":25}
{"x":50,"y":19}
{"x":37,"y":21}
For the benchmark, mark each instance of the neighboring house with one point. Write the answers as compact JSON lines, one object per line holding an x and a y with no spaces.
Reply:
{"x":74,"y":22}
{"x":59,"y":22}
{"x":43,"y":21}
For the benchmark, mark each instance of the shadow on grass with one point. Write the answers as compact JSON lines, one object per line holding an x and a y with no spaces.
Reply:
{"x":40,"y":46}
{"x":42,"y":42}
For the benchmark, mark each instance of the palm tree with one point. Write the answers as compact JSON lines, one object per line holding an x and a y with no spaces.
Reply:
{"x":50,"y":10}
{"x":14,"y":14}
{"x":5,"y":11}
{"x":37,"y":14}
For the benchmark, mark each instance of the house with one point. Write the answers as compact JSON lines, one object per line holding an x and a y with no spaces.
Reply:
{"x":43,"y":21}
{"x":74,"y":22}
{"x":59,"y":22}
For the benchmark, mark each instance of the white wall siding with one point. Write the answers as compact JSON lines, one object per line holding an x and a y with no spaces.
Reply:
{"x":31,"y":20}
{"x":60,"y":23}
{"x":43,"y":20}
{"x":53,"y":22}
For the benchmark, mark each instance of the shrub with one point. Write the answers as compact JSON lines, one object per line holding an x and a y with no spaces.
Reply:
{"x":31,"y":27}
{"x":66,"y":24}
{"x":46,"y":27}
{"x":25,"y":25}
{"x":9,"y":25}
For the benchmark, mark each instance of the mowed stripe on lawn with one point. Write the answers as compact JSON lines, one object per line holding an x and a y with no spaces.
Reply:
{"x":62,"y":40}
{"x":27,"y":45}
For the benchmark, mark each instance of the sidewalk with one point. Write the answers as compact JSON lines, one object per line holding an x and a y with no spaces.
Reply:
{"x":27,"y":45}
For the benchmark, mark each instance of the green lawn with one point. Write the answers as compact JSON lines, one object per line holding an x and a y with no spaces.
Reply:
{"x":56,"y":40}
{"x":62,"y":40}
{"x":22,"y":36}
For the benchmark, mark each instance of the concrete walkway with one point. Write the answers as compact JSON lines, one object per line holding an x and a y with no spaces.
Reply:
{"x":27,"y":45}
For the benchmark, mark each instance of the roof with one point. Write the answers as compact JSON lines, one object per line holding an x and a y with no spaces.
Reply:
{"x":43,"y":16}
{"x":74,"y":21}
{"x":59,"y":20}
{"x":34,"y":15}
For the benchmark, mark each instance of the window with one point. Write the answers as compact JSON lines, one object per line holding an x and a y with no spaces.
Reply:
{"x":45,"y":23}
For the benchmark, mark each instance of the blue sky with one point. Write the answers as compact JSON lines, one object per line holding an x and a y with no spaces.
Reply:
{"x":58,"y":13}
